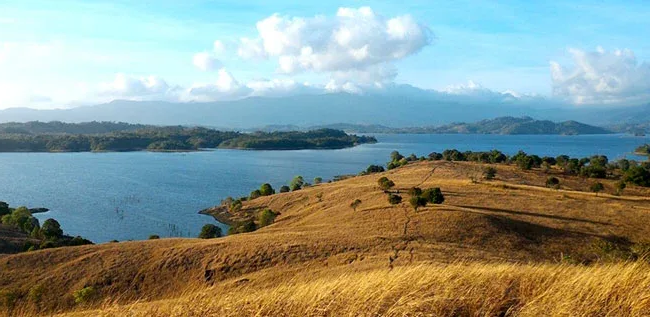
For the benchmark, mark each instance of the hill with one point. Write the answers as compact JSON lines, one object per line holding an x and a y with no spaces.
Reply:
{"x":501,"y":125}
{"x":395,"y":110}
{"x":509,"y":246}
{"x":58,"y":127}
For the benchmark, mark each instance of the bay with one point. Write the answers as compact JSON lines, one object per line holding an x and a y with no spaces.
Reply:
{"x":129,"y":196}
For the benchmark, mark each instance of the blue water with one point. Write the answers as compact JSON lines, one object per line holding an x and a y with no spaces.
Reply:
{"x":106,"y":196}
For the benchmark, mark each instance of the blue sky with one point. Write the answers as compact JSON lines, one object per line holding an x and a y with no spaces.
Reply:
{"x":54,"y":53}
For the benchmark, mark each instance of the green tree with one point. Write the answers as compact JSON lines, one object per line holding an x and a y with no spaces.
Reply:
{"x":297,"y":183}
{"x":394,"y":199}
{"x":355,"y":204}
{"x":597,"y":187}
{"x":553,"y":182}
{"x":374,"y":169}
{"x":318,"y":180}
{"x":255,"y":194}
{"x":51,"y":229}
{"x":415,"y":191}
{"x":266,"y":217}
{"x":433,"y":195}
{"x":385,"y":183}
{"x":285,"y":189}
{"x":266,"y":189}
{"x":236,"y":206}
{"x":210,"y":231}
{"x":637,"y":175}
{"x":4,"y":209}
{"x":417,"y":201}
{"x":489,"y":172}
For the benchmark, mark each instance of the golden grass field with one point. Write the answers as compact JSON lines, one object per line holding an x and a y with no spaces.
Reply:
{"x":504,"y":247}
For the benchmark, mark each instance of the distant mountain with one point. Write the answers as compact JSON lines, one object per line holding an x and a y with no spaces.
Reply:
{"x":501,"y":125}
{"x":404,"y":109}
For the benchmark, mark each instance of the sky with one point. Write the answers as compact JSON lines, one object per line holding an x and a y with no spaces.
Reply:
{"x":68,"y":53}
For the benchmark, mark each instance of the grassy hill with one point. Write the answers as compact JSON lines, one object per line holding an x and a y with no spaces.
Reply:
{"x":509,"y":246}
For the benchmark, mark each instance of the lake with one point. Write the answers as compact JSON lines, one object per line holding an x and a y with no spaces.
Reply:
{"x":123,"y":196}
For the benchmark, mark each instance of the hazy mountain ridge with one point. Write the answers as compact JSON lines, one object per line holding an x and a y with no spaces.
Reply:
{"x":394,"y":110}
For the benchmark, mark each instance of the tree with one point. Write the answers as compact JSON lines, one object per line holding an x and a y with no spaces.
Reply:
{"x":297,"y":183}
{"x":318,"y":180}
{"x":4,"y":208}
{"x":394,"y":199}
{"x":285,"y":189}
{"x":255,"y":194}
{"x":415,"y":191}
{"x":417,"y":201}
{"x":553,"y":182}
{"x":210,"y":231}
{"x":355,"y":204}
{"x":489,"y":173}
{"x":433,"y":195}
{"x":266,"y":189}
{"x":620,"y":186}
{"x":396,"y":156}
{"x":524,"y":161}
{"x":374,"y":169}
{"x":236,"y":206}
{"x":51,"y":229}
{"x":154,"y":237}
{"x":385,"y":183}
{"x":266,"y":217}
{"x":637,"y":175}
{"x":597,"y":187}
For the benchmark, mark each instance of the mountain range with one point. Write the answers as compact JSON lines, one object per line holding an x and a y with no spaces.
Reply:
{"x":394,"y":110}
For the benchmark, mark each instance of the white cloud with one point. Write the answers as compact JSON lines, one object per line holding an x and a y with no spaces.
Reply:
{"x":218,"y":47}
{"x":281,"y":88}
{"x":226,"y":87}
{"x":137,"y":88}
{"x":602,"y":77}
{"x":352,"y":42}
{"x":206,"y":62}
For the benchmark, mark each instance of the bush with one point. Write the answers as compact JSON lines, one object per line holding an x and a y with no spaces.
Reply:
{"x":553,"y":182}
{"x":637,"y":175}
{"x":415,"y":191}
{"x":355,"y":204}
{"x":266,"y":217}
{"x":597,"y":187}
{"x":489,"y":173}
{"x":4,"y":208}
{"x":285,"y":189}
{"x":210,"y":231}
{"x":297,"y":183}
{"x":417,"y":201}
{"x":247,"y":226}
{"x":255,"y":194}
{"x":394,"y":199}
{"x":435,"y":156}
{"x":236,"y":206}
{"x":318,"y":180}
{"x":266,"y":190}
{"x":374,"y":169}
{"x":51,"y":229}
{"x":620,"y":186}
{"x":433,"y":195}
{"x":84,"y":295}
{"x":385,"y":183}
{"x":154,"y":237}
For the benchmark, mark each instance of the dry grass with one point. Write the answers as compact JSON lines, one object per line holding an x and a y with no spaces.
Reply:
{"x":465,"y":257}
{"x":461,"y":289}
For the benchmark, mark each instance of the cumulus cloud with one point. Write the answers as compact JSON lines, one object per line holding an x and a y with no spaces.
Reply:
{"x":226,"y":87}
{"x":352,"y":42}
{"x":218,"y":47}
{"x":206,"y":62}
{"x":281,"y":88}
{"x":602,"y":77}
{"x":138,"y":88}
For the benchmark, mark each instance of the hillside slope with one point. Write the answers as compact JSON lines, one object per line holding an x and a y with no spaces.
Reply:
{"x":320,"y":257}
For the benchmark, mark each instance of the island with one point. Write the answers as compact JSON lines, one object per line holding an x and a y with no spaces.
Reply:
{"x":123,"y":137}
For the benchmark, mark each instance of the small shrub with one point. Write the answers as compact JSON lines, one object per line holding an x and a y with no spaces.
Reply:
{"x":266,"y":217}
{"x":620,"y":186}
{"x":355,"y":204}
{"x":266,"y":190}
{"x":489,"y":173}
{"x":8,"y":299}
{"x":154,"y":237}
{"x":394,"y":199}
{"x":433,"y":195}
{"x":36,"y":293}
{"x":415,"y":191}
{"x":319,"y":196}
{"x":318,"y":180}
{"x":597,"y":187}
{"x":385,"y":183}
{"x":210,"y":231}
{"x":417,"y":201}
{"x":255,"y":194}
{"x":285,"y":189}
{"x":84,"y":295}
{"x":553,"y":182}
{"x":374,"y":169}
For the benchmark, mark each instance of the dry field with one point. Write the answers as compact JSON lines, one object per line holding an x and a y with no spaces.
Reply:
{"x":508,"y":246}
